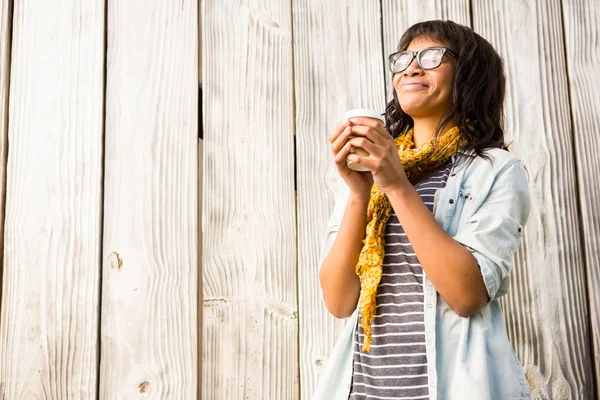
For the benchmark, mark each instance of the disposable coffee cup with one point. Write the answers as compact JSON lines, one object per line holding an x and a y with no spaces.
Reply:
{"x":361,"y":112}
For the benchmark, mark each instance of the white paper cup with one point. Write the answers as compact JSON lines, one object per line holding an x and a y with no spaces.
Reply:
{"x":361,"y":112}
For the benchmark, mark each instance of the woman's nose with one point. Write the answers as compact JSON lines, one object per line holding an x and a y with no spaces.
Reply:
{"x":413,"y":68}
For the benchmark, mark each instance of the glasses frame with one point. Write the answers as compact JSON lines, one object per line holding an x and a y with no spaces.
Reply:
{"x":418,"y":53}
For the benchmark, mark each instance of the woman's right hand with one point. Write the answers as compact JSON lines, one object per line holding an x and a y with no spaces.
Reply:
{"x":360,"y":183}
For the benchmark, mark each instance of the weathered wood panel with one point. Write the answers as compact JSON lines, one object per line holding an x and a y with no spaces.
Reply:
{"x":546,"y":309}
{"x":250,"y":320}
{"x":49,"y":327}
{"x":200,"y":197}
{"x":149,"y":289}
{"x":338,"y":66}
{"x":200,"y":281}
{"x":399,"y":15}
{"x":581,"y":21}
{"x":5,"y":42}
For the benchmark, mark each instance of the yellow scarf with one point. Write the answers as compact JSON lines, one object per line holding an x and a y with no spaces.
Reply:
{"x":415,"y":162}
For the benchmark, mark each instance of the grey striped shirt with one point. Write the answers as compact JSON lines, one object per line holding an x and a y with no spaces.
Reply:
{"x":396,"y":366}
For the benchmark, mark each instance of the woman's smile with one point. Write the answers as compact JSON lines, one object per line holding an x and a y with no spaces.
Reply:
{"x":413,"y":86}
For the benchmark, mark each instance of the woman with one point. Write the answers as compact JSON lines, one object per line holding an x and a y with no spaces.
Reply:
{"x":419,"y":250}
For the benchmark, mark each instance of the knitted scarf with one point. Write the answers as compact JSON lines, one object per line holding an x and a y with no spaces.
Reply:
{"x":415,"y":162}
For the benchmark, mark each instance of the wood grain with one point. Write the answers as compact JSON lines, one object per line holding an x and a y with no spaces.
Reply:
{"x":200,"y":197}
{"x":546,"y":309}
{"x":49,"y":326}
{"x":200,"y":281}
{"x":338,"y":66}
{"x":399,"y":15}
{"x":150,"y":256}
{"x":5,"y":45}
{"x":250,"y":324}
{"x":581,"y":19}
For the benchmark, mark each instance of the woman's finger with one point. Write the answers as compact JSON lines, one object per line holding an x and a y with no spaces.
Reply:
{"x":337,"y":131}
{"x":340,"y":157}
{"x":365,"y":161}
{"x":365,"y":144}
{"x":369,"y":133}
{"x":376,"y":124}
{"x":341,"y":140}
{"x":366,"y":121}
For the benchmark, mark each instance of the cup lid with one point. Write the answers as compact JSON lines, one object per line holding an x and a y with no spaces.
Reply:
{"x":364,"y":112}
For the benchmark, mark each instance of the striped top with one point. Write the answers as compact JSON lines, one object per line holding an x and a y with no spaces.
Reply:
{"x":396,"y":366}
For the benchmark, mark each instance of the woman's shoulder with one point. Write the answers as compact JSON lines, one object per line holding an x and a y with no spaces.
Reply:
{"x":496,"y":167}
{"x":493,"y":161}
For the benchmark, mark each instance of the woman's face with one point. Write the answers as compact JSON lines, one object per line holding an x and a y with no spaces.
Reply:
{"x":425,"y":93}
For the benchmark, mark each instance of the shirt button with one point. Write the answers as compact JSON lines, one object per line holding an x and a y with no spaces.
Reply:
{"x":428,"y":305}
{"x":451,"y":201}
{"x":429,"y":342}
{"x":432,"y":384}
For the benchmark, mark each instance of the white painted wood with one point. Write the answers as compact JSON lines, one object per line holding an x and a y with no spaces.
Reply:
{"x":399,"y":15}
{"x":250,"y":324}
{"x":200,"y":281}
{"x":583,"y":63}
{"x":150,"y":256}
{"x":49,"y":326}
{"x":5,"y":34}
{"x":200,"y":197}
{"x":338,"y":66}
{"x":546,"y":309}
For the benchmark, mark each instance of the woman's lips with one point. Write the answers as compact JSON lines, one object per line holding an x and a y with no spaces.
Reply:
{"x":413,"y":86}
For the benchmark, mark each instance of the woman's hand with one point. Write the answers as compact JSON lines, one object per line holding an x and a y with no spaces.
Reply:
{"x":383,"y":159}
{"x":359,"y":182}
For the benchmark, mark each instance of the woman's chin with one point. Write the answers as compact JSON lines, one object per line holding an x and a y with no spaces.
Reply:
{"x":413,"y":109}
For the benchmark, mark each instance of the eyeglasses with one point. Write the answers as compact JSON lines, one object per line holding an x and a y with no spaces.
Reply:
{"x":428,"y":58}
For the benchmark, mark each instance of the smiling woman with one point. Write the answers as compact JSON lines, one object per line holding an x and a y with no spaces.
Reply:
{"x":420,"y":258}
{"x":424,"y":96}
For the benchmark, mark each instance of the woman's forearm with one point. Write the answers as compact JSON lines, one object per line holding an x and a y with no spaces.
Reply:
{"x":339,"y":282}
{"x":450,"y":267}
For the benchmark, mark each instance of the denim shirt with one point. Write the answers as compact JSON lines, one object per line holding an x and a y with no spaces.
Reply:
{"x":484,"y":206}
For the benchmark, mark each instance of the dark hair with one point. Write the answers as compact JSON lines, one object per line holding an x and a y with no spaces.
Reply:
{"x":478,"y":91}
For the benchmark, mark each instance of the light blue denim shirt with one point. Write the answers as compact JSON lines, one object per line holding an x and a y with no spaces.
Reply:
{"x":484,"y":206}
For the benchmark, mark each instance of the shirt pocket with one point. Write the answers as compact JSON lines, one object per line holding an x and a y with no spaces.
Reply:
{"x":463,"y":203}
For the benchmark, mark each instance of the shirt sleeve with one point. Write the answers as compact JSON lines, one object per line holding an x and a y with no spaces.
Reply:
{"x":492,"y":234}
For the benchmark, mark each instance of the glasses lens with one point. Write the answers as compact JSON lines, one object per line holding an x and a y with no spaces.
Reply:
{"x":431,"y":58}
{"x":400,"y":61}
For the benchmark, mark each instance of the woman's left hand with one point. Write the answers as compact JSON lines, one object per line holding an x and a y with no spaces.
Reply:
{"x":383,"y":160}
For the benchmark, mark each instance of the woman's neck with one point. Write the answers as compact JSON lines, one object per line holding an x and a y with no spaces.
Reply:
{"x":425,"y":128}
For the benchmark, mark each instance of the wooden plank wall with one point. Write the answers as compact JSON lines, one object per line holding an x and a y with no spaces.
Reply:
{"x":101,"y":188}
{"x":249,"y":218}
{"x":199,"y":269}
{"x":200,"y":299}
{"x":546,"y":311}
{"x":338,"y":66}
{"x":5,"y":45}
{"x":49,"y":324}
{"x":581,"y":31}
{"x":149,"y":286}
